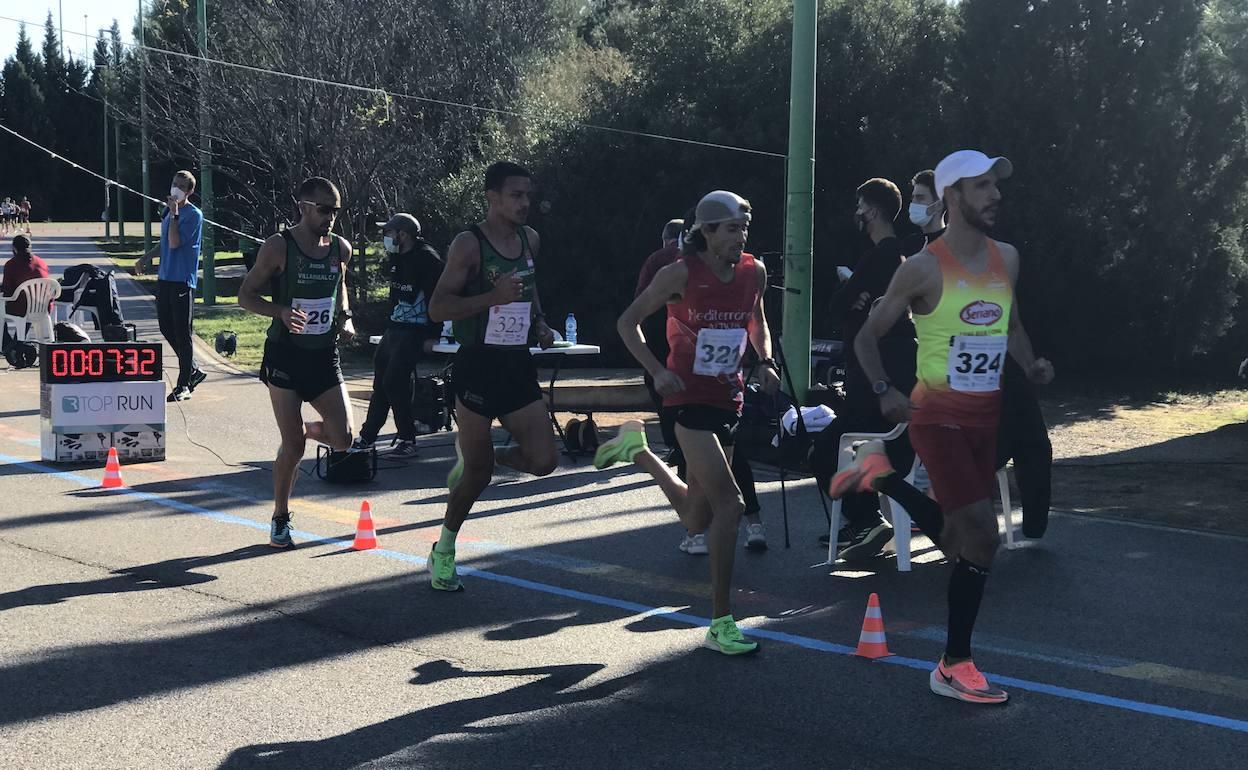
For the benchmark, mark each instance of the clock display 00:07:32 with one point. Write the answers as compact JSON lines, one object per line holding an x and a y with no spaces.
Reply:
{"x":101,"y":362}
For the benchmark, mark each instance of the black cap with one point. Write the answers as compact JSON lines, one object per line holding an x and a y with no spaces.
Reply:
{"x":405,"y":222}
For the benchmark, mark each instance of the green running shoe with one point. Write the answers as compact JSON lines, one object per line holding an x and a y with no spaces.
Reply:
{"x":442,"y":567}
{"x":457,"y":472}
{"x":624,"y":447}
{"x":724,"y":636}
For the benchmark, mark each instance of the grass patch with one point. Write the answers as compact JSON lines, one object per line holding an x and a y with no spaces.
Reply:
{"x":249,"y":327}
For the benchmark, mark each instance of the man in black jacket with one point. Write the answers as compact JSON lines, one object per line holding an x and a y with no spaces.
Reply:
{"x":414,"y":269}
{"x":865,"y":532}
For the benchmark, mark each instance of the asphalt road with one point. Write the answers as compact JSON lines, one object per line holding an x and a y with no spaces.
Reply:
{"x":151,"y":627}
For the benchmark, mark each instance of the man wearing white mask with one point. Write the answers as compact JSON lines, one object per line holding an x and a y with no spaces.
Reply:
{"x":926,"y":211}
{"x":181,"y":230}
{"x":414,"y":269}
{"x":878,"y":205}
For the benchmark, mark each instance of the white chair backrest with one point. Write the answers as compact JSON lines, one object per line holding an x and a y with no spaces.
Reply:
{"x":40,"y":292}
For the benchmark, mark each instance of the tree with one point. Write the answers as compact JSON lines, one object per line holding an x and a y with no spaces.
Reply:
{"x":1128,"y":200}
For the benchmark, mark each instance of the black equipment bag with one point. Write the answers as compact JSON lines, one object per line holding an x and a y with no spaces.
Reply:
{"x":100,"y":293}
{"x":351,"y":466}
{"x":431,"y":402}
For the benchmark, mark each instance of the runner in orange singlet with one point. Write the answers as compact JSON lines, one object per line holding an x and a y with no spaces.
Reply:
{"x":960,"y":289}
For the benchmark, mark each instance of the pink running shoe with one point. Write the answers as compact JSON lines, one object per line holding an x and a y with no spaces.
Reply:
{"x":964,"y":682}
{"x":870,"y":462}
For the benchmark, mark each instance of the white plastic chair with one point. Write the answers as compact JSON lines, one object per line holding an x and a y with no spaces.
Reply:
{"x":900,"y":518}
{"x":843,"y":458}
{"x":896,"y":513}
{"x":36,"y":325}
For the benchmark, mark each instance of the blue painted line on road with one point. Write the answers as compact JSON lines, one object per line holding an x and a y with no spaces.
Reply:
{"x":1084,"y":696}
{"x":1020,"y":649}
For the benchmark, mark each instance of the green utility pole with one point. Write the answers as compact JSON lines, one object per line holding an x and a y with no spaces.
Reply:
{"x":108,"y":220}
{"x":147,"y":205}
{"x":121,"y":211}
{"x":800,"y":201}
{"x":209,"y":290}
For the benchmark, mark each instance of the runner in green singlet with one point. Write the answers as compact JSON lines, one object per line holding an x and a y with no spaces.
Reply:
{"x":304,"y":269}
{"x":489,"y":290}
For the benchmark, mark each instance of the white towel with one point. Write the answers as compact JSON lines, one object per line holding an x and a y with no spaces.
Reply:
{"x":816,"y":418}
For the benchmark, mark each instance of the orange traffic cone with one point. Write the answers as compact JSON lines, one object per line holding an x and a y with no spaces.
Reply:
{"x":365,"y":536}
{"x":112,"y":470}
{"x":871,"y":643}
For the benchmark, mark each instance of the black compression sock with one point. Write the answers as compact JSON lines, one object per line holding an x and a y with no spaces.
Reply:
{"x":966,"y":589}
{"x":925,"y":511}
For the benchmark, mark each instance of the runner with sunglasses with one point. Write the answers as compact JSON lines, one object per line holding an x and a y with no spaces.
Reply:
{"x":305,"y":268}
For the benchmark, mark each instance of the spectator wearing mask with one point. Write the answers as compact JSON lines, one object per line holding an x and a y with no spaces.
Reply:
{"x":414,"y":268}
{"x":181,"y":232}
{"x":878,"y":203}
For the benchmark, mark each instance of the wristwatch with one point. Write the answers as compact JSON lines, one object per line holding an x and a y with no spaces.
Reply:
{"x":880,"y":387}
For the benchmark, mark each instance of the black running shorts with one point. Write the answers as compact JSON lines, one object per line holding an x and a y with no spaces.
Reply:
{"x":494,"y":382}
{"x":722,"y":422}
{"x":309,"y":372}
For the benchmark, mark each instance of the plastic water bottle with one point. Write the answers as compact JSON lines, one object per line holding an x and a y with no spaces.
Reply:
{"x":569,"y":329}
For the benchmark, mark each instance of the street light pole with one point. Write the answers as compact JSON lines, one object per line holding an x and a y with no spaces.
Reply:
{"x":121,"y":215}
{"x":147,"y":207}
{"x":108,"y":220}
{"x":208,"y":251}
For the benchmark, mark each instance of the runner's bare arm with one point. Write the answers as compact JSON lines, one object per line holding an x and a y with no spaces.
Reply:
{"x":344,"y":303}
{"x":463,"y":260}
{"x":1038,"y":370}
{"x":270,"y":261}
{"x":908,"y":283}
{"x":911,"y":281}
{"x":760,"y":335}
{"x":545,"y":336}
{"x":668,"y":283}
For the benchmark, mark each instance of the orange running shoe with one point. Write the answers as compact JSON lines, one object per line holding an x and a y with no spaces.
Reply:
{"x":869,"y":463}
{"x":964,"y":682}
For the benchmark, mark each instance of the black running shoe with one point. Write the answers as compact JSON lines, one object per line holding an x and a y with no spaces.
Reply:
{"x":403,"y":449}
{"x":197,"y":377}
{"x":867,"y":541}
{"x":843,"y":538}
{"x":180,"y":393}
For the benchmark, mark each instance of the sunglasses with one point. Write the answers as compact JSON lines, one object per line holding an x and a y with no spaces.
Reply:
{"x":324,"y":209}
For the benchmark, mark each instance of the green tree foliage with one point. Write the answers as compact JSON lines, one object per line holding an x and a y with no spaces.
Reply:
{"x":1127,"y":121}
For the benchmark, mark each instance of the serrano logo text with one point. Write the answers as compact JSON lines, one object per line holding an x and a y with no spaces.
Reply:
{"x":981,"y":313}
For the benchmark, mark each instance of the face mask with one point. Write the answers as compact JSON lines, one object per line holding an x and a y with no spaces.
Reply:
{"x":177,"y":194}
{"x":389,"y":245}
{"x":920,"y":215}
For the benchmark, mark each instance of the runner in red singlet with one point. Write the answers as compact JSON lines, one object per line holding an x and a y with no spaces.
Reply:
{"x":714,"y":297}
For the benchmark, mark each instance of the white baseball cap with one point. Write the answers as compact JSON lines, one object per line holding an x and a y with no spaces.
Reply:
{"x":721,"y":206}
{"x":966,"y":164}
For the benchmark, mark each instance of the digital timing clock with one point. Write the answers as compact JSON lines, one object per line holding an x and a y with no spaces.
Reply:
{"x":88,"y":362}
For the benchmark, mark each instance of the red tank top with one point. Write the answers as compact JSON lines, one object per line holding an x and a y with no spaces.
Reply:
{"x":707,"y":332}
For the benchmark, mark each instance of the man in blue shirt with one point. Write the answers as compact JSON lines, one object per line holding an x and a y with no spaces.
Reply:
{"x":180,"y":234}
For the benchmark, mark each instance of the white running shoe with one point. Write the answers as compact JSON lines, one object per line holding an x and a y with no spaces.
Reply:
{"x":694,"y":544}
{"x":755,"y":537}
